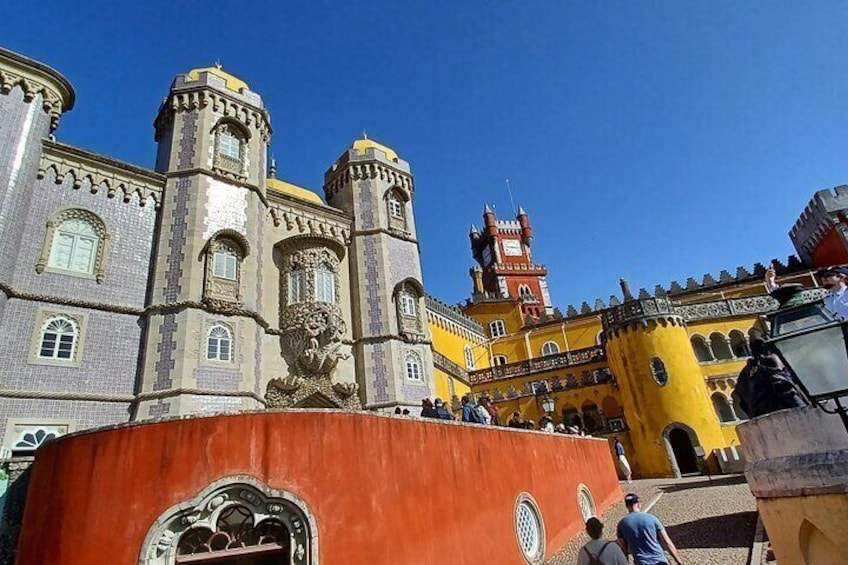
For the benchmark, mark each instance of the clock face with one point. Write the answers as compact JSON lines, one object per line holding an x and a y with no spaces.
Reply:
{"x":487,"y":255}
{"x":512,"y":247}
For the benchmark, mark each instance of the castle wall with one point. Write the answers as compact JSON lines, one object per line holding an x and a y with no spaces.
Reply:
{"x":374,"y":492}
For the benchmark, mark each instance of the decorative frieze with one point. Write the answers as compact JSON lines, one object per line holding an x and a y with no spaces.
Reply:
{"x":100,"y":171}
{"x":34,"y":78}
{"x":311,"y":224}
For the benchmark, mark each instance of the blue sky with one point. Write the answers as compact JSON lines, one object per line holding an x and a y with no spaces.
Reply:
{"x":650,"y":140}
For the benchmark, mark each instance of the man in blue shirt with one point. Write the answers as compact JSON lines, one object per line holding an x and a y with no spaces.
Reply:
{"x":639,"y":534}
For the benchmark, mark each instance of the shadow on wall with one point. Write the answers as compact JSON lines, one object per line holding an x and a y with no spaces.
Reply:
{"x":728,"y":530}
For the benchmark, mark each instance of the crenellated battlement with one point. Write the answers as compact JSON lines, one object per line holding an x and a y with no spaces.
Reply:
{"x":36,"y":79}
{"x":818,"y":218}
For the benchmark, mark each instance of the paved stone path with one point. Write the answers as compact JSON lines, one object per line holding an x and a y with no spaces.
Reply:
{"x":710,"y":522}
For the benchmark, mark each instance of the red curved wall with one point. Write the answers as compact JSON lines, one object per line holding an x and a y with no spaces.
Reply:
{"x":382,"y":489}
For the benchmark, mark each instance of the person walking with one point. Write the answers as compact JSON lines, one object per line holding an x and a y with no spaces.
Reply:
{"x":639,"y":534}
{"x":623,"y":463}
{"x":599,"y":551}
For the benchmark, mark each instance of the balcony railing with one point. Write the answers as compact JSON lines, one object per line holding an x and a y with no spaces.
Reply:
{"x":541,"y":364}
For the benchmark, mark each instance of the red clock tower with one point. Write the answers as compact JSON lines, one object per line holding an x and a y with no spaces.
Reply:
{"x":506,"y":268}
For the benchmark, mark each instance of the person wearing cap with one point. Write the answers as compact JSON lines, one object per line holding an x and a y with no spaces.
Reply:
{"x":442,"y":413}
{"x":599,"y":550}
{"x":834,"y":279}
{"x":639,"y":534}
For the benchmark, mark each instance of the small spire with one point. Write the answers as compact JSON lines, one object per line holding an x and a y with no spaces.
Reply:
{"x":273,"y":170}
{"x":625,"y":289}
{"x":487,"y":209}
{"x":474,"y":229}
{"x":364,"y":134}
{"x":521,"y":211}
{"x":218,"y":64}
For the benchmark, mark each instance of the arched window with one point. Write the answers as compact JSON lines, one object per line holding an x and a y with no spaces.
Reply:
{"x":219,"y":344}
{"x":31,"y":440}
{"x":702,"y":350}
{"x":325,"y":283}
{"x":550,"y":348}
{"x":297,"y":285}
{"x":659,"y":371}
{"x":408,"y":304}
{"x":225,"y":252}
{"x":755,"y":333}
{"x":396,"y":209}
{"x":498,"y":360}
{"x":413,"y":366}
{"x":225,"y":263}
{"x":722,"y":408}
{"x":720,"y":347}
{"x":74,"y":244}
{"x":738,"y":344}
{"x":230,"y":148}
{"x":497,"y":328}
{"x":58,"y":338}
{"x":469,"y":357}
{"x":524,"y":291}
{"x":737,"y":406}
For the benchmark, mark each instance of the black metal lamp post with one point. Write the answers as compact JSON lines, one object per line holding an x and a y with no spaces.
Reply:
{"x":813,"y":344}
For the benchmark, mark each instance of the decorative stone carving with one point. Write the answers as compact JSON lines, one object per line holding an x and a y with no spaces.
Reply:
{"x":312,"y":329}
{"x":57,"y":94}
{"x":76,"y":214}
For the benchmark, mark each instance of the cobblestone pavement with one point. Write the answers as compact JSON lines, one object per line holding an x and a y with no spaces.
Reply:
{"x":710,"y":522}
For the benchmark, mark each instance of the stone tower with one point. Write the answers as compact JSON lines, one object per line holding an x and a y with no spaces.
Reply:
{"x":394,"y":360}
{"x":506,"y":267}
{"x":649,"y":352}
{"x":201,"y":339}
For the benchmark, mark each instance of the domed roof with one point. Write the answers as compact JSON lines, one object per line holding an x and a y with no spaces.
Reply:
{"x":360,"y":146}
{"x":283,"y":187}
{"x":233,"y":83}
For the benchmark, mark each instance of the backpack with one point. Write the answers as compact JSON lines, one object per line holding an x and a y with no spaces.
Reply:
{"x":474,"y":416}
{"x":596,"y":559}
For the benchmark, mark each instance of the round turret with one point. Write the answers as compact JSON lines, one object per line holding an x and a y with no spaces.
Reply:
{"x":490,"y":223}
{"x":649,"y":352}
{"x":524,"y":222}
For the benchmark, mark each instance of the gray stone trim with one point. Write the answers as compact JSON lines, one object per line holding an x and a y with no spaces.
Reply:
{"x":391,"y":233}
{"x":141,"y":397}
{"x":98,"y":169}
{"x":451,"y":368}
{"x":34,"y":78}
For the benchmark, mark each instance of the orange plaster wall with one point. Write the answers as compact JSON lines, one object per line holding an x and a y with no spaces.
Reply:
{"x":830,"y":250}
{"x":382,"y":489}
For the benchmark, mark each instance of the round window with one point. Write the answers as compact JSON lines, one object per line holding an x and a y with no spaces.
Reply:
{"x":529,"y":530}
{"x":658,"y":371}
{"x":585,"y":502}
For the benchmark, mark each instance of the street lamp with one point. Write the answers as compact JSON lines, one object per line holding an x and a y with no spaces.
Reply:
{"x":548,"y":404}
{"x":813,"y":344}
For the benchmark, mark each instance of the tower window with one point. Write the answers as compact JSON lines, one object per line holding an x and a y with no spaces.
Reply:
{"x":407,"y":295}
{"x":395,"y":204}
{"x":413,"y":366}
{"x":497,"y":328}
{"x":297,"y":286}
{"x":58,"y":339}
{"x":225,"y":264}
{"x":219,"y":344}
{"x":407,"y":304}
{"x":325,"y":283}
{"x":229,"y":145}
{"x":230,"y":142}
{"x":658,"y":371}
{"x":499,"y":360}
{"x":74,"y":244}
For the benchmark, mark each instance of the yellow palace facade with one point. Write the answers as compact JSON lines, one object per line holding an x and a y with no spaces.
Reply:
{"x":655,"y":369}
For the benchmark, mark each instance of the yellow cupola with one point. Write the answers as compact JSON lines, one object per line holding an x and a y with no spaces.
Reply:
{"x":232,"y":82}
{"x":361,"y":145}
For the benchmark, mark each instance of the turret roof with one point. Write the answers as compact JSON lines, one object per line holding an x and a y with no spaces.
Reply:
{"x":232,"y":82}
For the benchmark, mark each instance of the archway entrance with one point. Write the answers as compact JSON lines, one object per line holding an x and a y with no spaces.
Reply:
{"x":683,"y":451}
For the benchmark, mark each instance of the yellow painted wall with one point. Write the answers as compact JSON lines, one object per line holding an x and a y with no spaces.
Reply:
{"x":730,"y":435}
{"x":807,"y":530}
{"x":507,"y":310}
{"x":651,"y":408}
{"x":452,"y":345}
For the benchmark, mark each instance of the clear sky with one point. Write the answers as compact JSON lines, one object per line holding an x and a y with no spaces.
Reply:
{"x":650,"y":140}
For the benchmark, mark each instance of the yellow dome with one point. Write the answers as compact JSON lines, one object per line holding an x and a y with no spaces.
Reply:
{"x":233,"y":83}
{"x":283,"y":187}
{"x":360,"y":145}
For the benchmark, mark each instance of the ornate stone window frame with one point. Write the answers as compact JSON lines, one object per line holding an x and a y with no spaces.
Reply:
{"x":586,"y":502}
{"x":264,"y":503}
{"x":550,"y":348}
{"x":211,"y":326}
{"x":18,"y":428}
{"x":409,"y":292}
{"x":98,"y":271}
{"x":659,"y":371}
{"x":397,"y":211}
{"x":224,"y":293}
{"x":308,"y":254}
{"x":413,"y":366}
{"x":42,"y":320}
{"x":224,"y":164}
